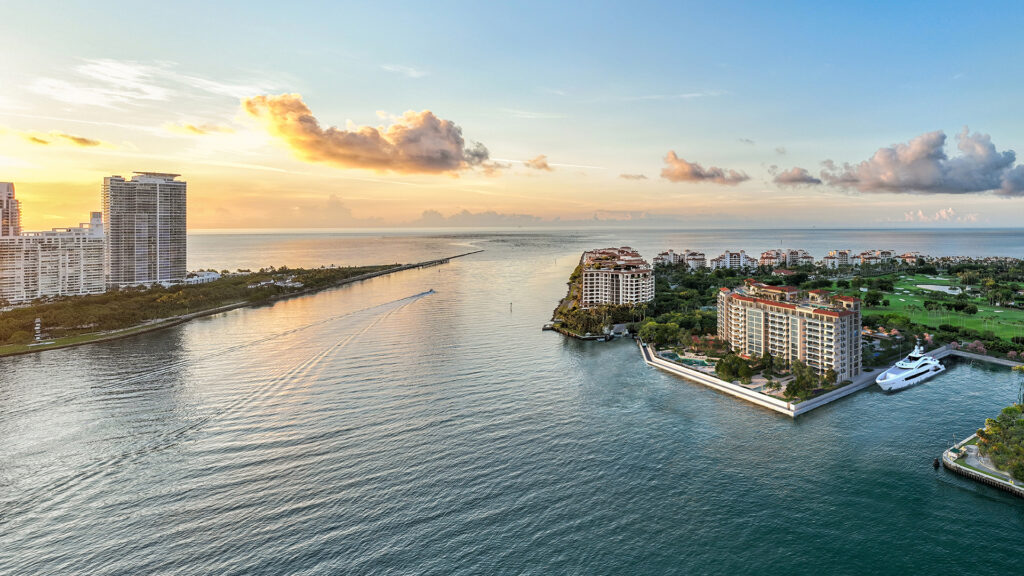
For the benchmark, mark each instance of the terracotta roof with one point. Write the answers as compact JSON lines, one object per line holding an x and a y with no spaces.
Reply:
{"x":789,"y":289}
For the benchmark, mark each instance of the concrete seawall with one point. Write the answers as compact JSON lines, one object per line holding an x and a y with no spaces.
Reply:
{"x":652,"y":359}
{"x":950,"y":464}
{"x":782,"y":407}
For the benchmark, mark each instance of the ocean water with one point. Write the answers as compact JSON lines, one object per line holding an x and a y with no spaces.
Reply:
{"x":375,"y":429}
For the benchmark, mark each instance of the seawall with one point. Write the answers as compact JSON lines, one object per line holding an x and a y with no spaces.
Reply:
{"x":950,"y":464}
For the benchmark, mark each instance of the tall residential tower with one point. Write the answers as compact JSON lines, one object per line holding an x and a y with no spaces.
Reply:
{"x":144,"y":223}
{"x":10,"y":211}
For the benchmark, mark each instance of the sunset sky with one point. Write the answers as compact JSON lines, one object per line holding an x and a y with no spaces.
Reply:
{"x":711,"y":114}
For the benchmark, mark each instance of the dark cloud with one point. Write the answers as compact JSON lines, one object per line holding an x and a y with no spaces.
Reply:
{"x":796,"y":176}
{"x":679,"y":170}
{"x":922,"y":166}
{"x":539,"y":163}
{"x":632,"y":176}
{"x":418,"y":142}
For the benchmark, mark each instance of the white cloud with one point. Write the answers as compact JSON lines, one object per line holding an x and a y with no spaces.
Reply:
{"x":112,"y":83}
{"x":944,"y":215}
{"x":410,"y":71}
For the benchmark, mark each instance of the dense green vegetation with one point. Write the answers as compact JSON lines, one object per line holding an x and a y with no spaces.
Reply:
{"x":122,"y":309}
{"x":1002,"y":440}
{"x":595,"y":320}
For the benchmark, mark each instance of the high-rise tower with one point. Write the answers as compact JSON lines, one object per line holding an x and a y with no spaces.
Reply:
{"x":144,"y":223}
{"x":10,"y":211}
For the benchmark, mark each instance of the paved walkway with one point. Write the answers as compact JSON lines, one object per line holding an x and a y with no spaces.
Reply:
{"x":982,"y":463}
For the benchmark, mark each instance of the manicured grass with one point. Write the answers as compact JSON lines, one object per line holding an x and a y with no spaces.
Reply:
{"x":1004,"y":322}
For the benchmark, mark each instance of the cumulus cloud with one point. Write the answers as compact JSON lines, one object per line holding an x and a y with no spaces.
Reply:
{"x":198,"y":129}
{"x":55,"y":137}
{"x":417,"y":142}
{"x":632,"y":176}
{"x":922,"y":166}
{"x":679,"y":170}
{"x":944,"y":215}
{"x":538,"y":163}
{"x":796,"y":176}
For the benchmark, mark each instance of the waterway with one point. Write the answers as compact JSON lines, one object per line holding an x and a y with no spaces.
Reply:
{"x":372,"y":429}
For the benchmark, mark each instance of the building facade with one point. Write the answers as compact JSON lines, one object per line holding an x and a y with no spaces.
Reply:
{"x":615,"y":276}
{"x":821,"y":330}
{"x":733,"y":260}
{"x":60,"y":262}
{"x":144,"y":222}
{"x":693,"y":259}
{"x":10,"y":211}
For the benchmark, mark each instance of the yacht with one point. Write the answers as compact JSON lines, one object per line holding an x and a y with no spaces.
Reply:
{"x":913,"y":369}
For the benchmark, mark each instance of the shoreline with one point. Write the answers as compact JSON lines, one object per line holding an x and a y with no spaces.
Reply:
{"x":95,"y":337}
{"x":791,"y":409}
{"x":950,"y":463}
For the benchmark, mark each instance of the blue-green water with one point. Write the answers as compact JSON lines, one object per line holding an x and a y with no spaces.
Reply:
{"x":361,"y":431}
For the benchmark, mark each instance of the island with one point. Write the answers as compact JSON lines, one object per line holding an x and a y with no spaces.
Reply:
{"x":61,"y":322}
{"x":791,"y":333}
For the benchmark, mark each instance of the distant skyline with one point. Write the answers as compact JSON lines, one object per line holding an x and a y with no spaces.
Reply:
{"x":387,"y":115}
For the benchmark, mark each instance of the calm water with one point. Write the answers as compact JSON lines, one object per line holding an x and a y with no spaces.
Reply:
{"x":374,"y":430}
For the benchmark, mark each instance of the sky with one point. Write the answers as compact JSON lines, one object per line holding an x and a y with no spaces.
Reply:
{"x":675,"y":114}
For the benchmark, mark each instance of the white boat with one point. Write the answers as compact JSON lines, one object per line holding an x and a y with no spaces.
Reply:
{"x":913,"y":369}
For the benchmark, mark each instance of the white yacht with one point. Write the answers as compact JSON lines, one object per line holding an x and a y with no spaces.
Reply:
{"x":913,"y":369}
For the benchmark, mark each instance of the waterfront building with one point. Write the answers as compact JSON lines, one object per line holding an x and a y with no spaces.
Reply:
{"x":874,"y":257}
{"x":910,"y":257}
{"x":732,"y":260}
{"x":615,"y":276}
{"x":669,"y":257}
{"x":58,"y":262}
{"x":696,"y":260}
{"x":842,"y":257}
{"x":10,"y":211}
{"x":821,"y":330}
{"x":144,"y":222}
{"x":772,"y":258}
{"x":693,"y":259}
{"x":202,"y":277}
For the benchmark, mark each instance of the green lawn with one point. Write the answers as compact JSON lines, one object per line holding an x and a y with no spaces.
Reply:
{"x":1004,"y":322}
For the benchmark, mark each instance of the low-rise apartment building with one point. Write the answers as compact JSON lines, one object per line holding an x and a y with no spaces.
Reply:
{"x":615,"y":276}
{"x":819,"y":329}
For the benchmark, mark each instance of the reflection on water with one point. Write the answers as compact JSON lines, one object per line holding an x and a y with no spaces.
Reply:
{"x":368,"y":430}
